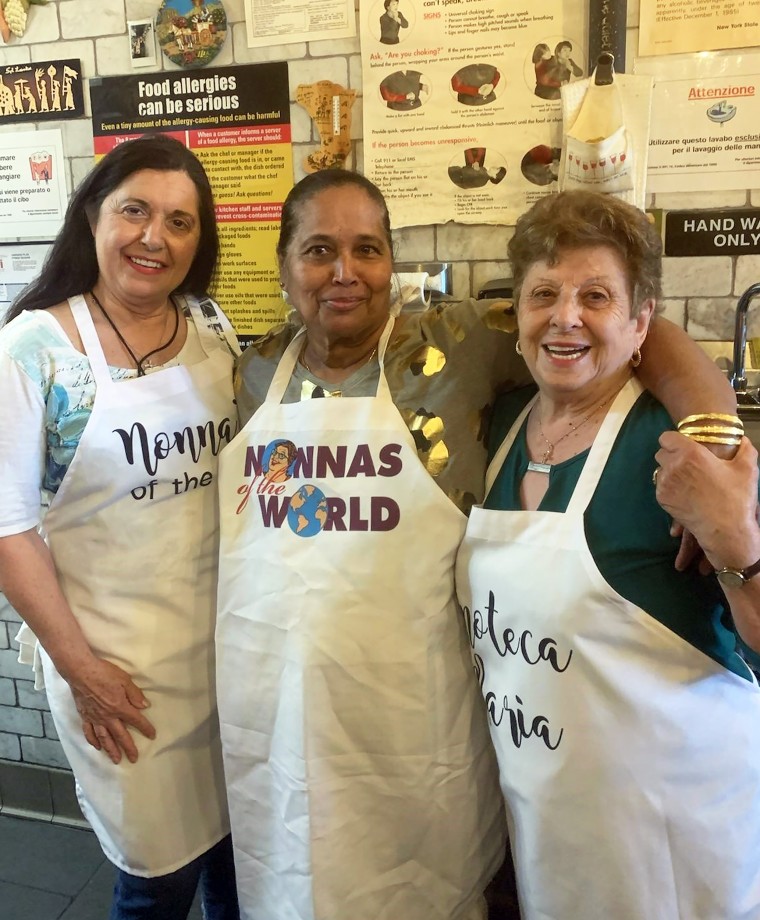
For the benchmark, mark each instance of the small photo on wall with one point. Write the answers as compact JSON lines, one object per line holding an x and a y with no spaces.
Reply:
{"x":142,"y":42}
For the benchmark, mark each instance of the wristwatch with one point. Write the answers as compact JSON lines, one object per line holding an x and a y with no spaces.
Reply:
{"x":735,"y":578}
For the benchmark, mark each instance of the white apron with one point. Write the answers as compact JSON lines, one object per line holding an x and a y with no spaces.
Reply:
{"x":134,"y":539}
{"x":630,"y":761}
{"x":361,"y":779}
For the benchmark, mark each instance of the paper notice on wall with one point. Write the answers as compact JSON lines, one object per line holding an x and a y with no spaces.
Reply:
{"x":678,"y":26}
{"x":461,"y":104}
{"x":705,"y":127}
{"x":20,"y":263}
{"x":32,"y":184}
{"x":271,"y":22}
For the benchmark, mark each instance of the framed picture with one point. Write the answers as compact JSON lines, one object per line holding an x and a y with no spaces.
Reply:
{"x":142,"y":42}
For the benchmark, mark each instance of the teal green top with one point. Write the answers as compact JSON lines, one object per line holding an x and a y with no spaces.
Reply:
{"x":628,"y":533}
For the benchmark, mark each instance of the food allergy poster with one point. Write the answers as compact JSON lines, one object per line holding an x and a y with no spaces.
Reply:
{"x":676,"y":26}
{"x":462,"y":116}
{"x":237,"y":121}
{"x":32,"y":184}
{"x":705,"y":124}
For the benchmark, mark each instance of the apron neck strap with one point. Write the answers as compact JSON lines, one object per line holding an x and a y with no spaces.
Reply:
{"x":92,"y":347}
{"x":209,"y":338}
{"x":602,"y":446}
{"x":498,"y":458}
{"x":290,"y":358}
{"x":598,"y":455}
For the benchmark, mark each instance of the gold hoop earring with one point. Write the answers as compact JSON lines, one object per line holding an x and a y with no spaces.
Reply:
{"x":636,"y":357}
{"x":517,"y":347}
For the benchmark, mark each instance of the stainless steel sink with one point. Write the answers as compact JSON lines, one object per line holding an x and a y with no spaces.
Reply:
{"x":750,"y":415}
{"x":749,"y":403}
{"x":743,"y":365}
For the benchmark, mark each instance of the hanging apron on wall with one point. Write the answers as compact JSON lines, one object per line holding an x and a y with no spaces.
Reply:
{"x":630,"y":761}
{"x":133,"y":537}
{"x":361,"y":779}
{"x":606,"y":136}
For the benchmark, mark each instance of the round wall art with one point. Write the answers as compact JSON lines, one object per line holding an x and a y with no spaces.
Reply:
{"x":191,"y":32}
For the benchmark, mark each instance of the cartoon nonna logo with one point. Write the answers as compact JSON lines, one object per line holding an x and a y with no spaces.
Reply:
{"x":278,"y":461}
{"x":270,"y":469}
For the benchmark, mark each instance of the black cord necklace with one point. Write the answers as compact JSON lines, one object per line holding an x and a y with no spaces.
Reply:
{"x":140,"y":363}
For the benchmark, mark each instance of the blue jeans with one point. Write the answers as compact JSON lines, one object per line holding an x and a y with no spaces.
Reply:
{"x":169,"y":897}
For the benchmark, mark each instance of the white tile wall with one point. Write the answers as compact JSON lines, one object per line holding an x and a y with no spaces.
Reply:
{"x":747,"y":272}
{"x":89,"y":18}
{"x":694,"y":276}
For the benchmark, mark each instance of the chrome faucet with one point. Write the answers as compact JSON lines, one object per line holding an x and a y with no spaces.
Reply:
{"x":739,"y":376}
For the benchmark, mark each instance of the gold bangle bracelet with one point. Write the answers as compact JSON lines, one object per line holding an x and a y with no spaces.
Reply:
{"x":709,"y":439}
{"x":691,"y":430}
{"x":712,"y":417}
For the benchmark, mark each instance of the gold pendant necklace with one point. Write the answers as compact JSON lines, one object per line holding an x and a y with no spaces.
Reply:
{"x":544,"y":466}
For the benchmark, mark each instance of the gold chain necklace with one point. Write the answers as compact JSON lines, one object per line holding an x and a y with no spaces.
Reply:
{"x":544,"y":466}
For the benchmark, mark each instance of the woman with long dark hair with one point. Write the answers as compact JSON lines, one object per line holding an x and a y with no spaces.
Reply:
{"x":116,"y":370}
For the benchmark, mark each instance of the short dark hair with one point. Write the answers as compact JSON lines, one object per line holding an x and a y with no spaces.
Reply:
{"x":386,"y":3}
{"x":574,"y":219}
{"x":322,"y":181}
{"x":564,"y":44}
{"x":71,"y":266}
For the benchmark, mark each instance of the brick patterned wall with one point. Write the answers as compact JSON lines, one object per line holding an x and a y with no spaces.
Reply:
{"x":700,"y":293}
{"x":27,"y":732}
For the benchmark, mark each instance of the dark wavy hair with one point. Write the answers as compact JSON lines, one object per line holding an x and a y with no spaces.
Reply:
{"x":71,"y":266}
{"x":575,"y":219}
{"x":321,"y":181}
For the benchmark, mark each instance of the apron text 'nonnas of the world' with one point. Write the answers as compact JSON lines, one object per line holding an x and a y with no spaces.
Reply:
{"x":269,"y":470}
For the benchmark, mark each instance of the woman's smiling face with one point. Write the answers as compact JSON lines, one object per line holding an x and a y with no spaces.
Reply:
{"x":146,"y":236}
{"x":574,"y":317}
{"x":338,"y":265}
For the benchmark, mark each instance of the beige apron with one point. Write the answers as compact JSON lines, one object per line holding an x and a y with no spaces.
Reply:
{"x":133,"y":532}
{"x":361,"y":779}
{"x":630,"y":761}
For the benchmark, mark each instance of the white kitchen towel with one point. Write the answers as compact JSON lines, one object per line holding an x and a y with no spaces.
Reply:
{"x":606,"y":129}
{"x":411,"y":288}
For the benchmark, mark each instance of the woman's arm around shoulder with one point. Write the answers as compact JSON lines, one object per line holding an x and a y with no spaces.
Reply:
{"x":681,"y":376}
{"x":479,"y":333}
